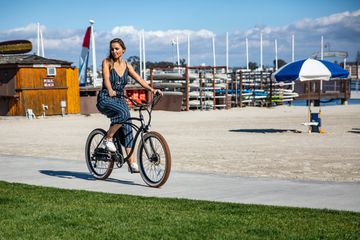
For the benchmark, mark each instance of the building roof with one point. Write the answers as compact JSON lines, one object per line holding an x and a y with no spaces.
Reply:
{"x":30,"y":60}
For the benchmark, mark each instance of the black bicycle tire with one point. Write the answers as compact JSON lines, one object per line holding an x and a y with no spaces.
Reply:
{"x":166,"y":150}
{"x":89,"y":165}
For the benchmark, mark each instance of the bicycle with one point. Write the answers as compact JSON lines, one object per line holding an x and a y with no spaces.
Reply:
{"x":153,"y":153}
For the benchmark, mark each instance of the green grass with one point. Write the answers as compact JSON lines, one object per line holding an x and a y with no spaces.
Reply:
{"x":29,"y":212}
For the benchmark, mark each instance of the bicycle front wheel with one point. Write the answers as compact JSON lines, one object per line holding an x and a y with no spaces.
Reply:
{"x":98,"y":159}
{"x":154,"y":159}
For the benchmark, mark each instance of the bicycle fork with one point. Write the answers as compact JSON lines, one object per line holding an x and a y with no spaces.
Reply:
{"x":150,"y":151}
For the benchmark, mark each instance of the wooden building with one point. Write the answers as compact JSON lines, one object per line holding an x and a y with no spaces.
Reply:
{"x":43,"y":85}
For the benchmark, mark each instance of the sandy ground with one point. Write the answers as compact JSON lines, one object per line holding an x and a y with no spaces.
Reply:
{"x":264,"y":142}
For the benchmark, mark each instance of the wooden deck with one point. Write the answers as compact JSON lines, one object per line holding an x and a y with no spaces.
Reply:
{"x":315,"y":90}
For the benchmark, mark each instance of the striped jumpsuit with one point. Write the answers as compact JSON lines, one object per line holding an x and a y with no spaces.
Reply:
{"x":116,"y":108}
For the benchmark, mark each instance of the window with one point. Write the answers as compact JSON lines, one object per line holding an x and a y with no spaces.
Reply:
{"x":51,"y":71}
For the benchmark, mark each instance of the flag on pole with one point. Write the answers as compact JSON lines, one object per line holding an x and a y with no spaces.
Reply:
{"x":84,"y":57}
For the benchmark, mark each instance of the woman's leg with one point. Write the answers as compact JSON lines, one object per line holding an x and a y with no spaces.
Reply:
{"x":121,"y":113}
{"x":132,"y":157}
{"x":133,"y":167}
{"x":112,"y":130}
{"x":108,"y":141}
{"x":129,"y":141}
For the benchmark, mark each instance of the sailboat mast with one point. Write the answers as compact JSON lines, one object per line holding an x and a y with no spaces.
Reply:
{"x":322,"y":48}
{"x":276,"y":55}
{"x":140,"y":55}
{"x":227,"y":52}
{"x":292,"y":48}
{"x":42,"y":44}
{"x":38,"y":39}
{"x":188,"y":49}
{"x":177,"y":51}
{"x":261,"y":52}
{"x":93,"y":52}
{"x":247,"y":53}
{"x":214,"y":54}
{"x":144,"y":57}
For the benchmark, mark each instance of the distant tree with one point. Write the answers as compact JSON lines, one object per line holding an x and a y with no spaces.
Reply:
{"x":253,"y":65}
{"x":182,"y":62}
{"x":161,"y":64}
{"x":280,"y":63}
{"x":135,"y":62}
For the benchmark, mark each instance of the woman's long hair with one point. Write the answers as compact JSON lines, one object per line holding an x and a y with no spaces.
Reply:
{"x":110,"y":57}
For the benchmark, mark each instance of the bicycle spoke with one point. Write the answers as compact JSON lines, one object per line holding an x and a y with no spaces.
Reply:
{"x":154,"y":157}
{"x":99,"y":165}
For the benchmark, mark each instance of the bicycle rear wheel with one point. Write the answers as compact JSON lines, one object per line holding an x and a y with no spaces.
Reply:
{"x":154,"y":159}
{"x":98,"y":159}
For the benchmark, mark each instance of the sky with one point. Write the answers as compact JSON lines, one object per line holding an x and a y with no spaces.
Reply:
{"x":64,"y":23}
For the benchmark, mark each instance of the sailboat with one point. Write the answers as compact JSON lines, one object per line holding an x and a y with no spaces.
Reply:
{"x":92,"y":79}
{"x":84,"y":58}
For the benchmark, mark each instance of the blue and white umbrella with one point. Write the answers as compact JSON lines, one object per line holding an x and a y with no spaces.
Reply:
{"x":308,"y":70}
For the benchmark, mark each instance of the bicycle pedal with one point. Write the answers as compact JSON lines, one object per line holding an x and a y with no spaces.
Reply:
{"x":102,"y":154}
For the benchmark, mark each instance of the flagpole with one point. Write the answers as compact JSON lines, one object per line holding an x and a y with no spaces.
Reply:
{"x":276,"y":55}
{"x":188,"y":49}
{"x":140,"y":55}
{"x":227,"y":52}
{"x":144,"y":57}
{"x":292,"y":48}
{"x":94,"y":70}
{"x":42,"y":44}
{"x":322,"y":48}
{"x":214,"y":54}
{"x":38,"y":39}
{"x":178,"y":53}
{"x":322,"y":58}
{"x":247,"y":53}
{"x":261,"y":52}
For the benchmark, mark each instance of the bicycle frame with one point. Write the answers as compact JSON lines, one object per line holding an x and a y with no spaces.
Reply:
{"x":141,"y":128}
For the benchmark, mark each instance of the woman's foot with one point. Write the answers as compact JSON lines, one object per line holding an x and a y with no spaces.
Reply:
{"x":133,"y":167}
{"x":109,"y":145}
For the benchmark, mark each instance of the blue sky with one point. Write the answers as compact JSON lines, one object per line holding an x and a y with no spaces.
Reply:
{"x":64,"y":24}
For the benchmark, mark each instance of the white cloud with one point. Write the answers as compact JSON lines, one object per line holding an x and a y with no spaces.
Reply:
{"x":161,"y":37}
{"x":30,"y":28}
{"x":341,"y":31}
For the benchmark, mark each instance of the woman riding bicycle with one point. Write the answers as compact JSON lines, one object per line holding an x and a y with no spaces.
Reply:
{"x":110,"y":101}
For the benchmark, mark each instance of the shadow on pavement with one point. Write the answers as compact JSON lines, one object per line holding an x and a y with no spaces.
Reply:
{"x":355,"y":130}
{"x":82,"y":175}
{"x":265,"y":130}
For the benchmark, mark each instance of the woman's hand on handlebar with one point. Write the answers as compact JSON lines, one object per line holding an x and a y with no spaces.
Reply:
{"x":158,"y":92}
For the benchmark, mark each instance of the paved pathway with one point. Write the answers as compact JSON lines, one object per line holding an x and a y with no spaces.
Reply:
{"x":73,"y":174}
